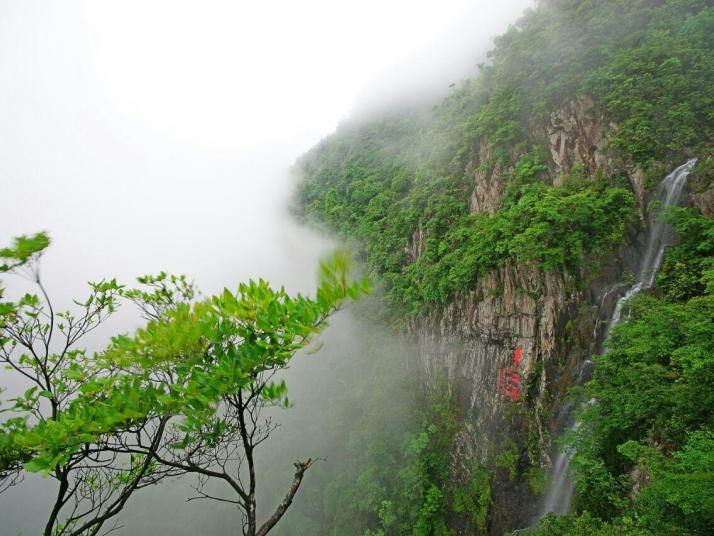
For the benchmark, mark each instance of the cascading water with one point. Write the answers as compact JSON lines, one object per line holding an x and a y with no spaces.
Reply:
{"x":668,"y":194}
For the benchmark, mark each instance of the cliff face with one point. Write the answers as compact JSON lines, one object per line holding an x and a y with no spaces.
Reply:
{"x":577,"y":135}
{"x":705,"y":202}
{"x":501,"y":220}
{"x":555,"y":320}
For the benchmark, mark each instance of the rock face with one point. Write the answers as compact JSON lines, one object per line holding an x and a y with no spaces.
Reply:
{"x":488,"y":184}
{"x":557,"y":321}
{"x":553,"y":321}
{"x":474,"y":337}
{"x":705,"y":202}
{"x":415,"y":245}
{"x":576,"y":135}
{"x":466,"y":346}
{"x":639,"y":187}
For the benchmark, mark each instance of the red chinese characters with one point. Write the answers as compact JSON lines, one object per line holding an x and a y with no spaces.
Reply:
{"x":517,"y":356}
{"x":509,"y":379}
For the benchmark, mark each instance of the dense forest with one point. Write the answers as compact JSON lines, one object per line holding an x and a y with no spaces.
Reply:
{"x":404,"y":189}
{"x":648,"y":67}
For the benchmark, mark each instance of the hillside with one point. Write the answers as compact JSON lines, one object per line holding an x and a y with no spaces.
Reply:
{"x":504,"y":224}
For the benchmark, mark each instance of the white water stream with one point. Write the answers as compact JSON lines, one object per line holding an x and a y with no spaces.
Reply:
{"x":668,"y":194}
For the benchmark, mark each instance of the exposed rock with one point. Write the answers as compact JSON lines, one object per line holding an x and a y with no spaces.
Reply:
{"x":558,"y":320}
{"x":639,"y":477}
{"x":639,"y":187}
{"x":705,"y":202}
{"x":463,"y":347}
{"x":474,"y":337}
{"x":415,"y":245}
{"x":488,"y":184}
{"x":576,"y":135}
{"x":466,"y":344}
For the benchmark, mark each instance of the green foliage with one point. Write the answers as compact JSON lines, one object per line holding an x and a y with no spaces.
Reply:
{"x":417,"y":496}
{"x":508,"y":459}
{"x":687,"y":269}
{"x":474,"y":499}
{"x":396,"y":477}
{"x":23,"y":249}
{"x":170,"y":387}
{"x":652,"y":419}
{"x":682,"y":489}
{"x":659,"y":89}
{"x":647,"y":64}
{"x":553,"y":227}
{"x":587,"y":525}
{"x":537,"y":480}
{"x":428,"y":492}
{"x":430,"y":451}
{"x":401,"y":185}
{"x":653,"y":386}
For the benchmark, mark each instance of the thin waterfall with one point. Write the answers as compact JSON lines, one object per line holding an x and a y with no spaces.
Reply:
{"x":668,"y":194}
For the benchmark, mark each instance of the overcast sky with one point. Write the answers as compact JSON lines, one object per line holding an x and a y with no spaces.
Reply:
{"x":156,"y":134}
{"x":148,"y":135}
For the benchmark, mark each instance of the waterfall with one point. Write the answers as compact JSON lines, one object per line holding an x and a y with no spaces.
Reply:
{"x":561,"y":490}
{"x":559,"y":501}
{"x":668,"y":194}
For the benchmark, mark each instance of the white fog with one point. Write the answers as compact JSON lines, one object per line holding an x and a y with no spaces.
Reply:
{"x":157,"y":135}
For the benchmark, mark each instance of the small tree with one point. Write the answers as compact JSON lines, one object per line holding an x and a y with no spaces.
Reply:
{"x":41,"y":346}
{"x":182,"y":395}
{"x":251,"y":336}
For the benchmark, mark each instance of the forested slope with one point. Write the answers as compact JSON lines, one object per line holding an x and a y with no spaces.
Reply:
{"x":496,"y":221}
{"x":646,"y":65}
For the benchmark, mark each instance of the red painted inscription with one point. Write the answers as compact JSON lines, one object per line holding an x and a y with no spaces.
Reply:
{"x":509,"y":379}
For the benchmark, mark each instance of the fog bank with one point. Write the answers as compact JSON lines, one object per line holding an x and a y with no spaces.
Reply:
{"x":156,"y":135}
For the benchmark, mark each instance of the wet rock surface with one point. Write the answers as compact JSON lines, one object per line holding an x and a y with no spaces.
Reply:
{"x":556,"y":319}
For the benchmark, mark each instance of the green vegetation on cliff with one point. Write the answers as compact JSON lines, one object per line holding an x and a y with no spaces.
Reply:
{"x":393,"y":474}
{"x":404,"y":188}
{"x":556,"y":227}
{"x":649,"y":67}
{"x":645,"y":449}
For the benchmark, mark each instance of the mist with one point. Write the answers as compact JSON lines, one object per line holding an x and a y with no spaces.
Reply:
{"x":157,"y":135}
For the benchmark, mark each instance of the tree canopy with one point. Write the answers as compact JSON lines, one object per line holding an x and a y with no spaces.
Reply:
{"x":181,"y":395}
